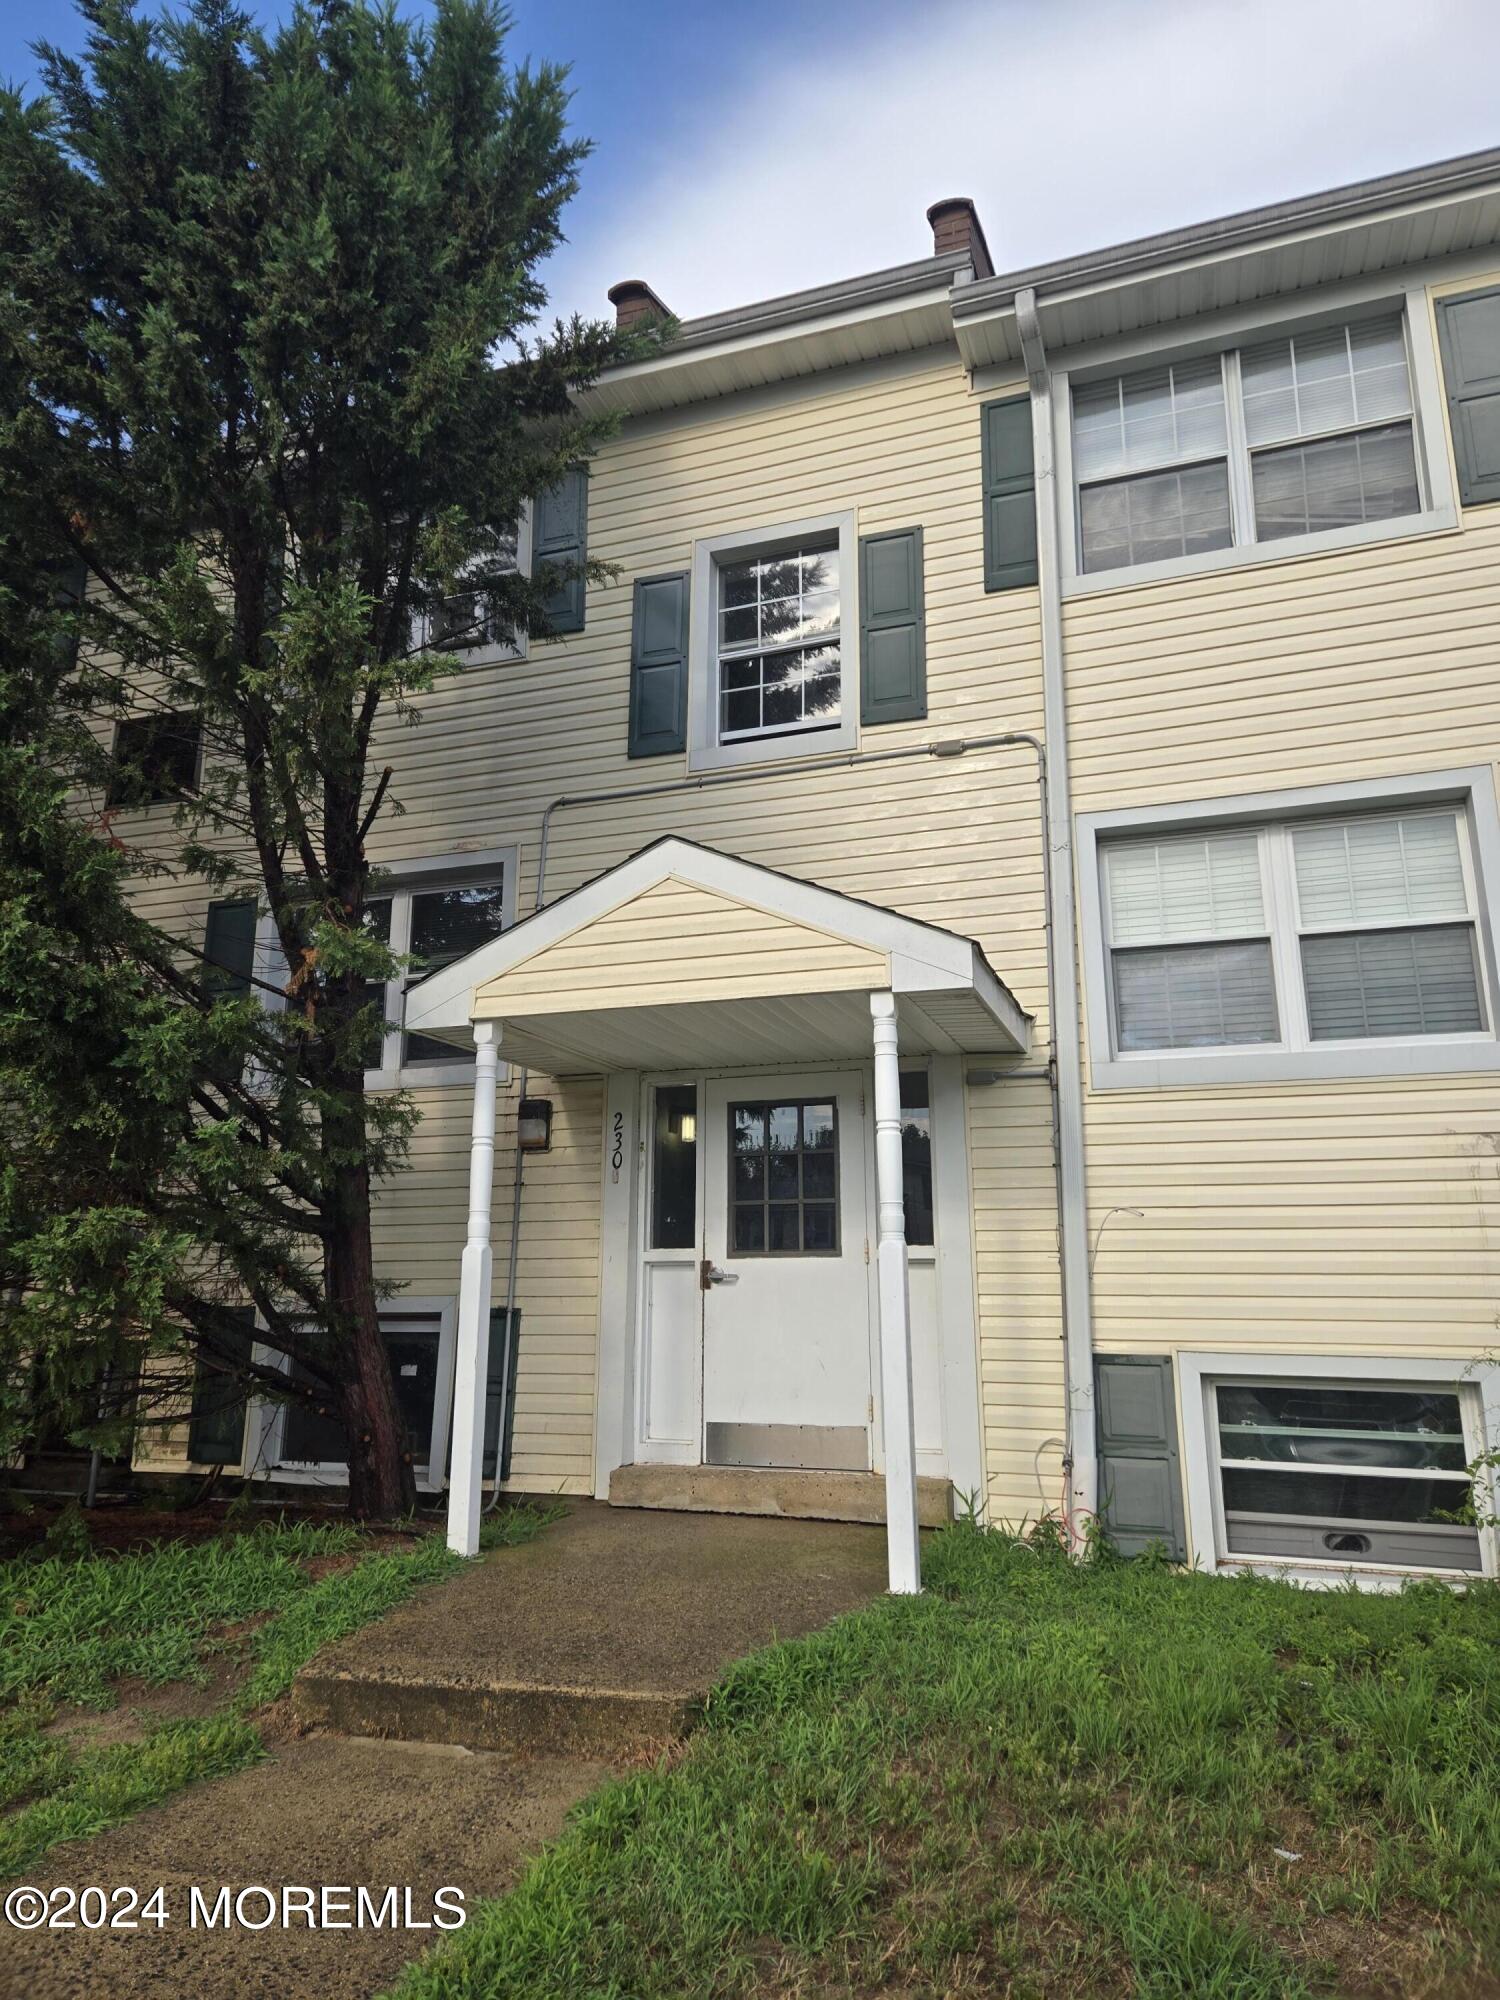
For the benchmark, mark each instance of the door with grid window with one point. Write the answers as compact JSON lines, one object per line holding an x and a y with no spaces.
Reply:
{"x":786,"y":1275}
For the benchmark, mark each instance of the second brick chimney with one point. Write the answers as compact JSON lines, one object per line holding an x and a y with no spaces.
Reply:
{"x":635,"y":303}
{"x":956,"y":226}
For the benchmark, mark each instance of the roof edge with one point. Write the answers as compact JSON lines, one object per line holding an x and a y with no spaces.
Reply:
{"x":1350,"y":203}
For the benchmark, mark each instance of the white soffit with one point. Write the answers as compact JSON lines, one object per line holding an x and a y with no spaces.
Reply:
{"x":751,"y":360}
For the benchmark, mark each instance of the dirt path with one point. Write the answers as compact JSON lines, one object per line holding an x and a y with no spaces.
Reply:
{"x":322,"y":1810}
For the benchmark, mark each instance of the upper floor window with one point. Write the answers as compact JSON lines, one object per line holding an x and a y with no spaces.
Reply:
{"x":1337,"y":930}
{"x":777,"y":642}
{"x":773,"y":643}
{"x":463,"y":623}
{"x":1304,"y":434}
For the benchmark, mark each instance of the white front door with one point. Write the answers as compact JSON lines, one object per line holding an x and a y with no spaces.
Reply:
{"x":785,"y":1273}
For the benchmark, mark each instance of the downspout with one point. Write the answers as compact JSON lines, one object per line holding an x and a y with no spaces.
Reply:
{"x":1080,"y":1450}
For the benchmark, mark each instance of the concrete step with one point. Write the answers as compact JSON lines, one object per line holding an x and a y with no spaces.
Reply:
{"x":771,"y":1490}
{"x":430,"y":1706}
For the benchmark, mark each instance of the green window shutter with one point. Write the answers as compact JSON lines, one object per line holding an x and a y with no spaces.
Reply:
{"x":1009,"y":494}
{"x":559,"y":533}
{"x":1469,"y":330}
{"x":1140,"y":1487}
{"x":892,"y":628}
{"x":229,"y":945}
{"x":500,"y":1390}
{"x":659,"y":665}
{"x":216,"y":1426}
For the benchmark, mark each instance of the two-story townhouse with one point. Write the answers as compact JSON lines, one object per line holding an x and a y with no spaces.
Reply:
{"x":1054,"y":715}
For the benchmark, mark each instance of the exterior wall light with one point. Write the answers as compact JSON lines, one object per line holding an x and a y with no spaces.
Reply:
{"x":682,"y":1125}
{"x":534,"y":1125}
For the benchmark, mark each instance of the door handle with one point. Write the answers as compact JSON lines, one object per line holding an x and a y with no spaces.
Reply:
{"x":709,"y":1273}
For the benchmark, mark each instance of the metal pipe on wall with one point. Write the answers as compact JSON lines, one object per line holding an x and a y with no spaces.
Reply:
{"x":1080,"y":1448}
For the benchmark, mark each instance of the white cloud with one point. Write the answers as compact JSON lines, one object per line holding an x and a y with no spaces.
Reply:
{"x":1073,"y":123}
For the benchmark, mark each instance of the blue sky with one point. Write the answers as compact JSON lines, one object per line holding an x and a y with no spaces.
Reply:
{"x":748,"y":149}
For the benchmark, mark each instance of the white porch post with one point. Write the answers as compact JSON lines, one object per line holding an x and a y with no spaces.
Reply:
{"x":902,"y":1550}
{"x":467,"y":1469}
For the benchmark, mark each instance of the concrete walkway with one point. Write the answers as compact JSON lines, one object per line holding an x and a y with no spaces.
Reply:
{"x":553,"y":1665}
{"x":599,"y":1639}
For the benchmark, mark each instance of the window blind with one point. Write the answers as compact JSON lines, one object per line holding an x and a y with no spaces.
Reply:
{"x":1206,"y":885}
{"x":1358,"y":871}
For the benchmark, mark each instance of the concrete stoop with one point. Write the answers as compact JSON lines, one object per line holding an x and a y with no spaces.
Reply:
{"x":598,"y":1640}
{"x":771,"y":1491}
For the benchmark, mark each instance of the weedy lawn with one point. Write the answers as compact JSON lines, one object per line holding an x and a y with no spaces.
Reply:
{"x":234,"y":1617}
{"x":1043,"y":1778}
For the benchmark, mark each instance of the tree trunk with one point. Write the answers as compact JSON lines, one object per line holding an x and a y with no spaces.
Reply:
{"x":382,"y":1484}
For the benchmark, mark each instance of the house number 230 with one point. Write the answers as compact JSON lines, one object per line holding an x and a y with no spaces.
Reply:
{"x":617,"y":1151}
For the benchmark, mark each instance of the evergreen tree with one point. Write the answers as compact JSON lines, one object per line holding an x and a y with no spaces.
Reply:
{"x":266,"y":337}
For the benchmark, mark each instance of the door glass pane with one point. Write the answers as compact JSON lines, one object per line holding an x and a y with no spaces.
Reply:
{"x":783,"y":1170}
{"x":674,"y":1169}
{"x":916,"y":1156}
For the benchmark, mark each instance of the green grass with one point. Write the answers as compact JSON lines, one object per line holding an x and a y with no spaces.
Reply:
{"x":69,"y":1629}
{"x":1043,"y":1778}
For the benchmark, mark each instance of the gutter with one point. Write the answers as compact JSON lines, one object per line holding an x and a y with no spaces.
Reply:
{"x":1080,"y":1448}
{"x":1468,"y":174}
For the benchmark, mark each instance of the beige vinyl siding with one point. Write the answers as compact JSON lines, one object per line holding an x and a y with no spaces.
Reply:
{"x":675,"y":943}
{"x":1018,"y":1295}
{"x":955,"y":843}
{"x":1354,"y":1217}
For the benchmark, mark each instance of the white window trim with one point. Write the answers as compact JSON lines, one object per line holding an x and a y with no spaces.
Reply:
{"x":267,"y":1419}
{"x":1471,"y":789}
{"x":1439,"y":510}
{"x":1198,"y":1373}
{"x":495,"y":655}
{"x":705,"y":751}
{"x":443,"y":871}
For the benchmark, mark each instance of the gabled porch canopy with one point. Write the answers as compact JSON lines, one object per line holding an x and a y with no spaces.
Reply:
{"x":684,"y":957}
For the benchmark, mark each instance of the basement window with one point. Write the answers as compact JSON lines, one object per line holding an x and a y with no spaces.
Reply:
{"x":1346,"y":1472}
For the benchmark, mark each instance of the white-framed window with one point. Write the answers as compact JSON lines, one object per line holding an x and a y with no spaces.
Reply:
{"x":1327,"y":1465}
{"x":1281,"y":442}
{"x":773,"y":643}
{"x":1351,"y":940}
{"x":459,"y":624}
{"x":300,"y":1443}
{"x":435,"y":918}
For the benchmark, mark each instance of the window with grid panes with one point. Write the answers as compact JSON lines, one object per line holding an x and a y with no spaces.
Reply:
{"x":783,"y":1169}
{"x":777,"y":643}
{"x":1293,"y":436}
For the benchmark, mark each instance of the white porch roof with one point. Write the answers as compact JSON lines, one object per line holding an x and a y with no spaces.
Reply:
{"x":684,"y":957}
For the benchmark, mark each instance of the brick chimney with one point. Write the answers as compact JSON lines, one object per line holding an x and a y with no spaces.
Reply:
{"x":956,"y":226}
{"x":635,"y":303}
